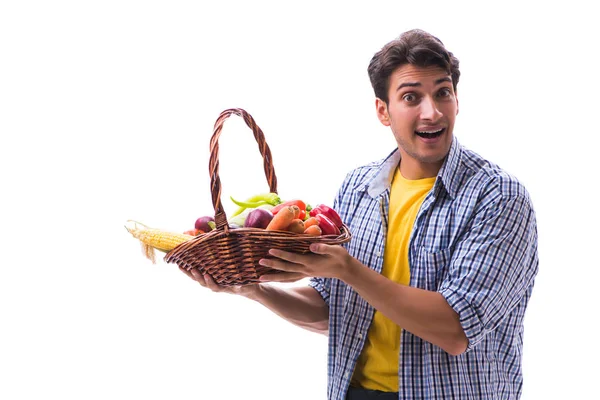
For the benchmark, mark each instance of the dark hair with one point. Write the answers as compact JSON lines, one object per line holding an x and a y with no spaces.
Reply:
{"x":415,"y":47}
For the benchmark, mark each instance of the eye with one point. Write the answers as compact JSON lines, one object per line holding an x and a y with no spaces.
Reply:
{"x":409,"y":97}
{"x":445,"y":92}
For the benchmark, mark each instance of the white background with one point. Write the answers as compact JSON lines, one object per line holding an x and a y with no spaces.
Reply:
{"x":106,"y":112}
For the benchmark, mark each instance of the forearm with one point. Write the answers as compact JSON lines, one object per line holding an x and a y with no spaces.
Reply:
{"x":423,"y":313}
{"x":302,"y":306}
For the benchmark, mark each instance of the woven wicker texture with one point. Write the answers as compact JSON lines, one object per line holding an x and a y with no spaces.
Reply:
{"x":230,"y":256}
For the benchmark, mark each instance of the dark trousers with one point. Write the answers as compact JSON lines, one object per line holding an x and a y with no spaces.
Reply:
{"x":366,"y":394}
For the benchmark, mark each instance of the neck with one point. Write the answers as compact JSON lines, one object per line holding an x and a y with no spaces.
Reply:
{"x":414,"y":171}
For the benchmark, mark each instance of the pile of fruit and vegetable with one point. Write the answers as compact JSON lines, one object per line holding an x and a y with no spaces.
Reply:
{"x":264,"y":211}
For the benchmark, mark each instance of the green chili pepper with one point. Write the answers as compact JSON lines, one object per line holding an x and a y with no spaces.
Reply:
{"x":248,"y":204}
{"x":256,"y":201}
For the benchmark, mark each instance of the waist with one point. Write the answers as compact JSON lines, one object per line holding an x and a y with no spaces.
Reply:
{"x":355,"y":393}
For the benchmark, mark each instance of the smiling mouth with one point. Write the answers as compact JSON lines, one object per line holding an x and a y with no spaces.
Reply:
{"x":430,"y":134}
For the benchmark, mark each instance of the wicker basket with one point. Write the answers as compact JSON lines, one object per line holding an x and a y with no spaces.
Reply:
{"x":230,"y":256}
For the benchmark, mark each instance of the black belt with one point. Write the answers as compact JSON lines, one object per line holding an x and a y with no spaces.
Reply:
{"x":367,"y":394}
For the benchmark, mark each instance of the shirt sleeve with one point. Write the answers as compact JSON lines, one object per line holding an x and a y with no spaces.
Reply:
{"x":321,"y":285}
{"x":493,"y":266}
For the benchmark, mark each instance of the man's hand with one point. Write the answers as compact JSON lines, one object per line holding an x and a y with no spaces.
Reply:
{"x":327,"y":261}
{"x":207,"y":281}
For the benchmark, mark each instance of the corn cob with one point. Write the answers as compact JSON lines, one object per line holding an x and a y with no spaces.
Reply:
{"x":156,"y":239}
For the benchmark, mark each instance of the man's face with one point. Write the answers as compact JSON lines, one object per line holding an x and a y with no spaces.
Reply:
{"x":421,"y":111}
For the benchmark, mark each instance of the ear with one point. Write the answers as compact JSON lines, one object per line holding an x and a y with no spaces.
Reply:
{"x":382,"y":112}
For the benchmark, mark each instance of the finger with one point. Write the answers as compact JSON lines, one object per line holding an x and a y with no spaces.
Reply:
{"x":198,"y":277}
{"x":280,"y":265}
{"x":211,"y":284}
{"x":324,"y":249}
{"x":185,"y":271}
{"x":283,"y":277}
{"x":288,"y":256}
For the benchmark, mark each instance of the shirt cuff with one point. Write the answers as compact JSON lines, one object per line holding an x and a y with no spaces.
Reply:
{"x":469,"y":320}
{"x":319,"y":285}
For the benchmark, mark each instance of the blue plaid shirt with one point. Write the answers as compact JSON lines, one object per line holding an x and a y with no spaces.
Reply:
{"x":474,"y":241}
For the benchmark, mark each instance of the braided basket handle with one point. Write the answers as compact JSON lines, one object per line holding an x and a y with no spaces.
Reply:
{"x":213,"y":165}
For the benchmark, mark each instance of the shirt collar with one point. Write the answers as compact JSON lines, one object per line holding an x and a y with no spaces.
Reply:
{"x":378,"y":180}
{"x":449,"y":174}
{"x":447,"y":178}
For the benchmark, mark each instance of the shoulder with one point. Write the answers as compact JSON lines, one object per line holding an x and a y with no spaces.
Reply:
{"x":359,"y":178}
{"x":487,"y":197}
{"x":487,"y":178}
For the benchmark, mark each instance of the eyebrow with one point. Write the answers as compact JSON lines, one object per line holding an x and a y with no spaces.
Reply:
{"x":417,"y":84}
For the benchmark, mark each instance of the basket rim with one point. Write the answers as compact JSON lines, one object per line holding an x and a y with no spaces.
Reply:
{"x":344,"y":237}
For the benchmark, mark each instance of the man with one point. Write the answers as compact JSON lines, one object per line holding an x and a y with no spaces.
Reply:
{"x":427,"y":300}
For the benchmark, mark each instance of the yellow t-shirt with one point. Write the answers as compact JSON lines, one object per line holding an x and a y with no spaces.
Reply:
{"x":377,"y":365}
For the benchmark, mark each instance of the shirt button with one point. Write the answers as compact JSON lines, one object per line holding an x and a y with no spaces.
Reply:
{"x":378,"y":254}
{"x":360,"y":335}
{"x":346,"y":375}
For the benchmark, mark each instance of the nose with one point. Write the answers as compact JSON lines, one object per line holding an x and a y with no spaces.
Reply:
{"x":429,"y":109}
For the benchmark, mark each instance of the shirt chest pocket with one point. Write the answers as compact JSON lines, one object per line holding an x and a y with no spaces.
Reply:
{"x":429,"y":268}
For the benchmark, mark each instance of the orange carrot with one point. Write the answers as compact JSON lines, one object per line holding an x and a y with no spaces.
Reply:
{"x":194,"y":232}
{"x":310,"y":222}
{"x":282,"y":219}
{"x":313,"y":230}
{"x":297,"y":226}
{"x":296,"y":211}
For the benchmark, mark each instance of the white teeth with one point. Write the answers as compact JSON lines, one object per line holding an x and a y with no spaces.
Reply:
{"x":431,"y":132}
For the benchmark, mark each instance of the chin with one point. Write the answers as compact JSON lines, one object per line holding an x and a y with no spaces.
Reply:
{"x":437,"y":152}
{"x":433,"y":159}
